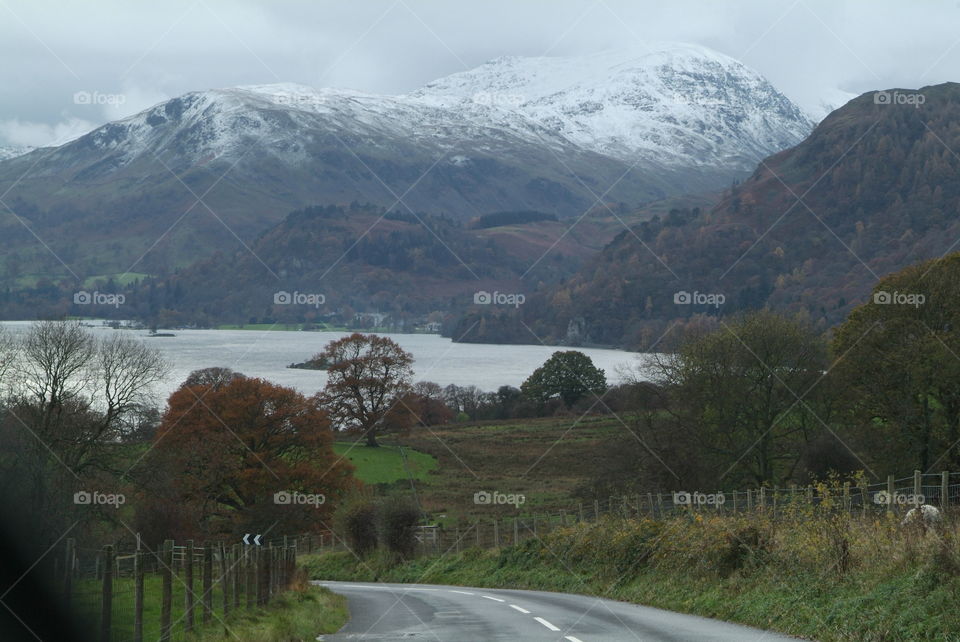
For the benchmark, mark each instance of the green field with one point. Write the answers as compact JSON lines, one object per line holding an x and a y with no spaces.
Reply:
{"x":384,"y":465}
{"x":121,"y":279}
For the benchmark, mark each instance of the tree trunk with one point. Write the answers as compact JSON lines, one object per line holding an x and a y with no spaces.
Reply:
{"x":371,"y":435}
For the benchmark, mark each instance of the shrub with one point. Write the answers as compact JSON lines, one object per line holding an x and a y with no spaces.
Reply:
{"x":398,"y":519}
{"x":356,"y":523}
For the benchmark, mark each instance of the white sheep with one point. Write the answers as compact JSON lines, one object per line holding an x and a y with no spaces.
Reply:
{"x":924,"y":515}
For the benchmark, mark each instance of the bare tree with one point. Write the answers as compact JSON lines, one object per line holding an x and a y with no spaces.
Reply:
{"x":72,"y":397}
{"x":366,"y":376}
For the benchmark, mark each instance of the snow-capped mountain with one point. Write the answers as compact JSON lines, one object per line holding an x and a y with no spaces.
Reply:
{"x":548,"y":134}
{"x":677,"y":105}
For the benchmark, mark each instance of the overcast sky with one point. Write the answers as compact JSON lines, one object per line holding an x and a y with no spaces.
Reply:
{"x":130,"y":54}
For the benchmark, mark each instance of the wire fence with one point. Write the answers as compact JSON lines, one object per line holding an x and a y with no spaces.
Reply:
{"x":126,"y":592}
{"x":896,"y":495}
{"x":129,"y":593}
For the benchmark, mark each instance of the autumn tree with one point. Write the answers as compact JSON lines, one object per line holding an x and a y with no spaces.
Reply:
{"x":230,"y":451}
{"x":899,"y":356}
{"x":366,"y":376}
{"x":569,"y":375}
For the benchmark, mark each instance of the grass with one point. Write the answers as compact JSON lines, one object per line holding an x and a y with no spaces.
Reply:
{"x":544,"y":459}
{"x":295,"y":616}
{"x":385,"y":465}
{"x":816,"y":574}
{"x":122,"y":279}
{"x":301,"y":613}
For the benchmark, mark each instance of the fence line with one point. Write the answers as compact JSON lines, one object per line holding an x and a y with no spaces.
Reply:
{"x":939,"y":489}
{"x":129,"y":593}
{"x":134,"y":593}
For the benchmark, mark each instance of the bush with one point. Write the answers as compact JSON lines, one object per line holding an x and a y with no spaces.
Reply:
{"x":356,"y":523}
{"x":398,"y":521}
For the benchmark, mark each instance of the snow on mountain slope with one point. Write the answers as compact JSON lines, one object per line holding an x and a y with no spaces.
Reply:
{"x":672,"y":106}
{"x":7,"y":151}
{"x":676,"y":104}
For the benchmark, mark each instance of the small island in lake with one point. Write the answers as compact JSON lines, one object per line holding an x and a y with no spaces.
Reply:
{"x":311,"y":364}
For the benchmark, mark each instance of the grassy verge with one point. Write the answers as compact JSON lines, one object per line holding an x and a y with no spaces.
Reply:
{"x":301,"y":613}
{"x":827,"y":577}
{"x":296,"y":616}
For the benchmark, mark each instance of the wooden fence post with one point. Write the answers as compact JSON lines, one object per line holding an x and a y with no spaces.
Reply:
{"x":596,"y":510}
{"x":944,"y":489}
{"x":891,"y":491}
{"x":207,"y":571}
{"x":271,"y":574}
{"x":106,"y":594}
{"x":516,"y":531}
{"x":261,"y":577}
{"x":188,"y":595}
{"x":496,"y":534}
{"x":224,"y":579}
{"x":581,"y":511}
{"x":166,"y":574}
{"x":235,"y":558}
{"x":68,"y":564}
{"x":138,"y":594}
{"x":249,"y":579}
{"x":917,"y":483}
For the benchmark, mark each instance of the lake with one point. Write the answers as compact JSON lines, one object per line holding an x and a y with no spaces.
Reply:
{"x":267,"y":354}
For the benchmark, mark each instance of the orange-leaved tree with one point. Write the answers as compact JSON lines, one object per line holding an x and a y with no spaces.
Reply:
{"x":243,"y":455}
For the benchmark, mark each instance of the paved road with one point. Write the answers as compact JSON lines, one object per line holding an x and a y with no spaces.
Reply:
{"x":412,"y":612}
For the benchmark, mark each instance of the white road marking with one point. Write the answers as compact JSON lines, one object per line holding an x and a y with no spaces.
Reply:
{"x":385,"y":588}
{"x":462,"y":592}
{"x":495,"y":599}
{"x":546,"y":624}
{"x":524,"y":611}
{"x":573,"y":639}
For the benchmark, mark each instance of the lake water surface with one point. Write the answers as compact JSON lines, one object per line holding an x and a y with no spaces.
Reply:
{"x":267,"y":354}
